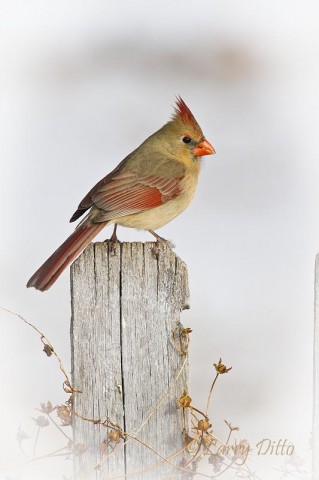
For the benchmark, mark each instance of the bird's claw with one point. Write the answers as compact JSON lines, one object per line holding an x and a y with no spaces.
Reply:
{"x":113,"y":244}
{"x":156,"y":249}
{"x":159,"y":243}
{"x":113,"y":241}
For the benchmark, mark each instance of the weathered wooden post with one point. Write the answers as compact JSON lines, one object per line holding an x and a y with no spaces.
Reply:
{"x":315,"y":430}
{"x":126,"y":305}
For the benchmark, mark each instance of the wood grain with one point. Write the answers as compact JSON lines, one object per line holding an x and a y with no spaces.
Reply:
{"x":126,"y":305}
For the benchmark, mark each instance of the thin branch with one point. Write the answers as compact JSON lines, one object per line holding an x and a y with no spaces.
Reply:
{"x":210,"y":393}
{"x":59,"y":428}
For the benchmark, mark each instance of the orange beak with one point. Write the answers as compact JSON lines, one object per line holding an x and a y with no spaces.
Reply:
{"x":204,"y":148}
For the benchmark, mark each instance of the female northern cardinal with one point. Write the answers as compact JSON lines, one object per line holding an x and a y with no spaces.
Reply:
{"x":149,"y":188}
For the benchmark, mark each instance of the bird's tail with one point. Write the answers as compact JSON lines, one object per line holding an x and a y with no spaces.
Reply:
{"x":52,"y":268}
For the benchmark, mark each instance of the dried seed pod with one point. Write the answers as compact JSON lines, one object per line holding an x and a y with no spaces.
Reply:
{"x":114,"y":436}
{"x":221,"y":368}
{"x":48,"y":350}
{"x":203,"y":425}
{"x":184,"y":400}
{"x":46,"y":407}
{"x":41,"y":421}
{"x":64,"y":414}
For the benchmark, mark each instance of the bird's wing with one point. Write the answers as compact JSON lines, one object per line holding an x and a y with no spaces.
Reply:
{"x":126,"y":192}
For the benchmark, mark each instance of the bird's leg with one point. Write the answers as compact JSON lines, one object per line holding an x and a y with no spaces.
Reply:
{"x":113,"y":239}
{"x":114,"y":236}
{"x":158,"y":238}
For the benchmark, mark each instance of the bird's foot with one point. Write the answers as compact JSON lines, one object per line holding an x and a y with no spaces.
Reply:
{"x":113,"y":241}
{"x":156,"y":249}
{"x":159,"y":242}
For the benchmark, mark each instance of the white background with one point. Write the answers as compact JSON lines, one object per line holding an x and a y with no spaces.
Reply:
{"x":82,"y":84}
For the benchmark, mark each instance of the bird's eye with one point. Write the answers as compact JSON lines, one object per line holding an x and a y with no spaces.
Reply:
{"x":186,"y":139}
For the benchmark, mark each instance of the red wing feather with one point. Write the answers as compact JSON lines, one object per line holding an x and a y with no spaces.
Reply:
{"x":127,"y":194}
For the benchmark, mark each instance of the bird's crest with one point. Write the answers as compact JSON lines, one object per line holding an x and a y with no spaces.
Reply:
{"x":183,"y":113}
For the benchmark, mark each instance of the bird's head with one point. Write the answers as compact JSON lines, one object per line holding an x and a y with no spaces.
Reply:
{"x":184,"y":135}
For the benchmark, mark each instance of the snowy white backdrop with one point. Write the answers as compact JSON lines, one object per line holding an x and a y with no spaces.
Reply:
{"x":81,"y":85}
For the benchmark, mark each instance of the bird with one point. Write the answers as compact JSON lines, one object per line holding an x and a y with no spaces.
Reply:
{"x":148,"y":189}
